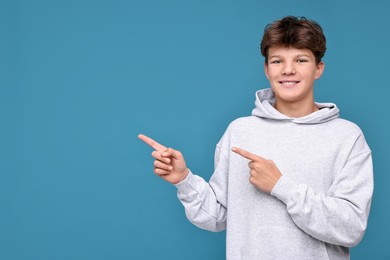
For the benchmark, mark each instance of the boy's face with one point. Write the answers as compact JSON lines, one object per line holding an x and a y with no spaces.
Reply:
{"x":291,"y":73}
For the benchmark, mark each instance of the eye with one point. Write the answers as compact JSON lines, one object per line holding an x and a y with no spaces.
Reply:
{"x":276,"y":61}
{"x":302,"y":60}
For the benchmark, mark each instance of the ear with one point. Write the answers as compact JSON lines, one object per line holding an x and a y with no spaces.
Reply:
{"x":320,"y":69}
{"x":266,"y":70}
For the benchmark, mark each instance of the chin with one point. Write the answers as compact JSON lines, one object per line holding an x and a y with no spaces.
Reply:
{"x":290,"y":93}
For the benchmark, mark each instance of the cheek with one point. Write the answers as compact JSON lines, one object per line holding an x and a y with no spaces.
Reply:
{"x":270,"y":73}
{"x":312,"y":74}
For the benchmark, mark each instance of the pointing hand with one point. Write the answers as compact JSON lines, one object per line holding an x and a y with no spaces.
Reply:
{"x":264,"y":174}
{"x":169,"y":164}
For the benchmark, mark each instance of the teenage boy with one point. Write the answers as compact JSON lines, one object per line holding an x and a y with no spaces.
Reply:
{"x":292,"y":181}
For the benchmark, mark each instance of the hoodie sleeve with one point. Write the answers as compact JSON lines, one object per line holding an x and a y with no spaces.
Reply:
{"x":205,"y":203}
{"x":340,"y":216}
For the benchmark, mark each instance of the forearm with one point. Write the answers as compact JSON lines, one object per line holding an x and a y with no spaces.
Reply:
{"x":201,"y":204}
{"x":334,"y":220}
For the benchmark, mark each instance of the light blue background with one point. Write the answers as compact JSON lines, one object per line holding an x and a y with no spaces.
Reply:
{"x":80,"y":80}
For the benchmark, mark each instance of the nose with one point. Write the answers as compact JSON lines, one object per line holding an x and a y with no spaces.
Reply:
{"x":288,"y":68}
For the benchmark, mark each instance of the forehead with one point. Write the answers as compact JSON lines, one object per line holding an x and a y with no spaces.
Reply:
{"x":289,"y":52}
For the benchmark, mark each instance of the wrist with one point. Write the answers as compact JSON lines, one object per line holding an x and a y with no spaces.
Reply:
{"x":182,"y":176}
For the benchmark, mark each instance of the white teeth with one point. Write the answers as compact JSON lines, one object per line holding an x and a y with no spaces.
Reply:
{"x":289,"y":82}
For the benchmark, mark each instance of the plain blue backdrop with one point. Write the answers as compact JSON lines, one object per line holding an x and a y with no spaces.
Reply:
{"x":81,"y":78}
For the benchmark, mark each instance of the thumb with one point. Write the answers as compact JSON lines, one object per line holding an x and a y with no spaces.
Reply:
{"x":172,"y":153}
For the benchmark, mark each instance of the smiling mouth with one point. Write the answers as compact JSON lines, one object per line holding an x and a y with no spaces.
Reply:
{"x":291,"y":83}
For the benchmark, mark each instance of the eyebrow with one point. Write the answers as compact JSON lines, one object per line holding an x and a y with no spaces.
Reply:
{"x":296,"y":56}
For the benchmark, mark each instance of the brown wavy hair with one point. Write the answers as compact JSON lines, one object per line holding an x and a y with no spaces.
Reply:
{"x":296,"y":32}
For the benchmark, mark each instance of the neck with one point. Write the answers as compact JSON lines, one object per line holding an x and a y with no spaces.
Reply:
{"x":294,"y":109}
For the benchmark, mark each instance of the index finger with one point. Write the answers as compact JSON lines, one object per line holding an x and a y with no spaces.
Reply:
{"x":149,"y":141}
{"x":246,"y":154}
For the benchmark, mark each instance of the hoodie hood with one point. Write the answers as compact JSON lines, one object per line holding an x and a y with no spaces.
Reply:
{"x":265,"y":100}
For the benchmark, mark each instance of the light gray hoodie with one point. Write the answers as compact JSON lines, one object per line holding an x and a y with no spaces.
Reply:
{"x":318,"y":208}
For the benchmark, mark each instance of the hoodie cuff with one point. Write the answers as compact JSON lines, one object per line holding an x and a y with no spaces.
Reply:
{"x":284,"y":189}
{"x":187,"y":184}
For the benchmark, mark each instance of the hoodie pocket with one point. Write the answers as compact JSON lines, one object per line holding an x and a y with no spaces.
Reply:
{"x":283,"y":243}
